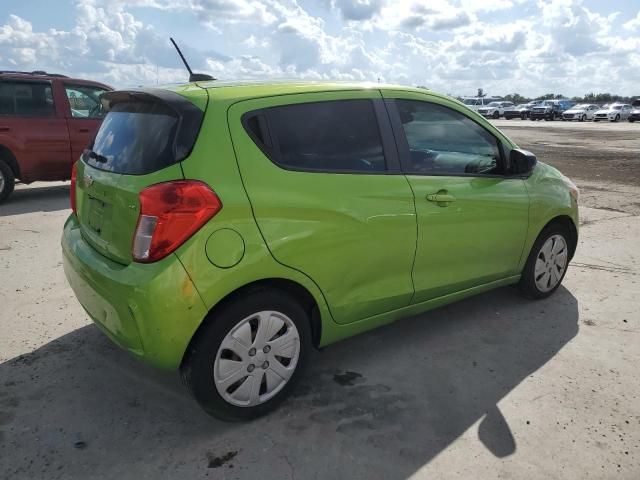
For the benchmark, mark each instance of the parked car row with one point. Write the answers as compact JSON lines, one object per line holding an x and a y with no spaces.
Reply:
{"x":565,"y":110}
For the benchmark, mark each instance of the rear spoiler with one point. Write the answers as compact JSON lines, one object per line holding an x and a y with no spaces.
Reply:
{"x":190,"y":116}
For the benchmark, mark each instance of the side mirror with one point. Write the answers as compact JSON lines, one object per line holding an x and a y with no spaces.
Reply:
{"x":521,"y":162}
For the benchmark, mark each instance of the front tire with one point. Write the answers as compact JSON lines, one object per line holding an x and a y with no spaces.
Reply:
{"x":248,"y":356}
{"x":547,"y":263}
{"x":496,"y":115}
{"x":615,"y":120}
{"x":7,"y":181}
{"x":583,"y":118}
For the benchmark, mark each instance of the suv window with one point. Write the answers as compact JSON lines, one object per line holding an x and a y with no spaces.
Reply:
{"x":26,"y":99}
{"x":84,"y":101}
{"x":442,"y":141}
{"x":339,"y":135}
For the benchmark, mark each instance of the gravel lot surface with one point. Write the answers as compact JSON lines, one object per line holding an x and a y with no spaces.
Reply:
{"x":492,"y":387}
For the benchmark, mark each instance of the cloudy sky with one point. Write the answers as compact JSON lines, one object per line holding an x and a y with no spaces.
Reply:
{"x":454,"y":46}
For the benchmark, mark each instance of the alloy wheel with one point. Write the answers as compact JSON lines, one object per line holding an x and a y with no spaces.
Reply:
{"x":551,"y":263}
{"x":257,"y":358}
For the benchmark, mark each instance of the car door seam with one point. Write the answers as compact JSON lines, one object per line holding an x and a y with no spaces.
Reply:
{"x":253,"y":214}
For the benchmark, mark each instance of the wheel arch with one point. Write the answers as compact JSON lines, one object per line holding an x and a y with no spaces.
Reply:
{"x":567,"y":222}
{"x":293,"y":289}
{"x":8,"y":156}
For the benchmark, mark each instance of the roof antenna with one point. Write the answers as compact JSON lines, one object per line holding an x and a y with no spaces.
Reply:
{"x":193,"y":77}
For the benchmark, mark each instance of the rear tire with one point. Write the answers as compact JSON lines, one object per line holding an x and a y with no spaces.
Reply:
{"x":260,"y":387}
{"x":547,"y":263}
{"x":7,"y":181}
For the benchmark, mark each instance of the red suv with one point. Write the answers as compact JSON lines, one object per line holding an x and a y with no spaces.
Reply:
{"x":46,"y":121}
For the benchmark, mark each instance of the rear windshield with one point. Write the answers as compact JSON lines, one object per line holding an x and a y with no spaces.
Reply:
{"x":135,"y":138}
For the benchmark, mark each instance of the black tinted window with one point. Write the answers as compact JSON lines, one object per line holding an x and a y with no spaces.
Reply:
{"x":135,"y":138}
{"x":327,"y":136}
{"x":28,"y":99}
{"x":443,"y":141}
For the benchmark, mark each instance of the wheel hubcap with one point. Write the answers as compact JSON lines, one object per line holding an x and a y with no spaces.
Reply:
{"x":256,"y":359}
{"x":551,"y":263}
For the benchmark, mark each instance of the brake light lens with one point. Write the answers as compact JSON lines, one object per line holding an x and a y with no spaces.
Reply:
{"x":72,"y":192}
{"x":170,"y":213}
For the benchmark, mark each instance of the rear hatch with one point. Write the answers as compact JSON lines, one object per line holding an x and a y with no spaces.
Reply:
{"x":142,"y":140}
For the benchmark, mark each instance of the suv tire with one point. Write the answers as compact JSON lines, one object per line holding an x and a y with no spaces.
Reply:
{"x":7,"y":181}
{"x":496,"y":114}
{"x":207,"y":363}
{"x":548,"y":260}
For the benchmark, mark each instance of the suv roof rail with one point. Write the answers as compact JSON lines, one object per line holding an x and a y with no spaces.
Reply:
{"x":34,"y":73}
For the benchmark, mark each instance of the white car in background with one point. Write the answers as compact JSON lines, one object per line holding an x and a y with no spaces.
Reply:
{"x":474,"y":103}
{"x":613,"y":112}
{"x":496,"y":109}
{"x":581,"y":112}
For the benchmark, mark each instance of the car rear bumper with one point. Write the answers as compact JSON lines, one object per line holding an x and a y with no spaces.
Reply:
{"x":152,"y":310}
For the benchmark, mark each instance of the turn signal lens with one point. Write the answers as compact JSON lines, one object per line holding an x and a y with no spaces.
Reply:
{"x":170,"y":213}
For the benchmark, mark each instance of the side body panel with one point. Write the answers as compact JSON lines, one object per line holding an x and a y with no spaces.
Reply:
{"x":213,"y":162}
{"x":475,"y":239}
{"x":352,"y":233}
{"x":549,"y":198}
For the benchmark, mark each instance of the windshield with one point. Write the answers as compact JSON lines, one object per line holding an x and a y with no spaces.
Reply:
{"x":494,"y":104}
{"x":617,"y":107}
{"x":470,"y":101}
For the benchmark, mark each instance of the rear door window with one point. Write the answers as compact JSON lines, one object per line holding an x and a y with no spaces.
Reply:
{"x":26,"y":99}
{"x":330,"y":136}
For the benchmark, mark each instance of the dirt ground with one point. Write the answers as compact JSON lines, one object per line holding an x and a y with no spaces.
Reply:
{"x":602,"y":158}
{"x":495,"y":386}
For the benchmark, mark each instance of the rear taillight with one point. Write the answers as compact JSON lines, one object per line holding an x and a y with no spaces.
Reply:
{"x":170,"y":213}
{"x":72,"y":192}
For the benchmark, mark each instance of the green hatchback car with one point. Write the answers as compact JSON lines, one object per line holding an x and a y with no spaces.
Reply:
{"x":227,"y":229}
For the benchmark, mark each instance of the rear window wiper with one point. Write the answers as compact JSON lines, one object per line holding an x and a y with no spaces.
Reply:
{"x":97,"y":157}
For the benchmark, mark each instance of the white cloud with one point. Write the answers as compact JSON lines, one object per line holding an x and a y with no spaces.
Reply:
{"x":633,"y":24}
{"x":453,"y":46}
